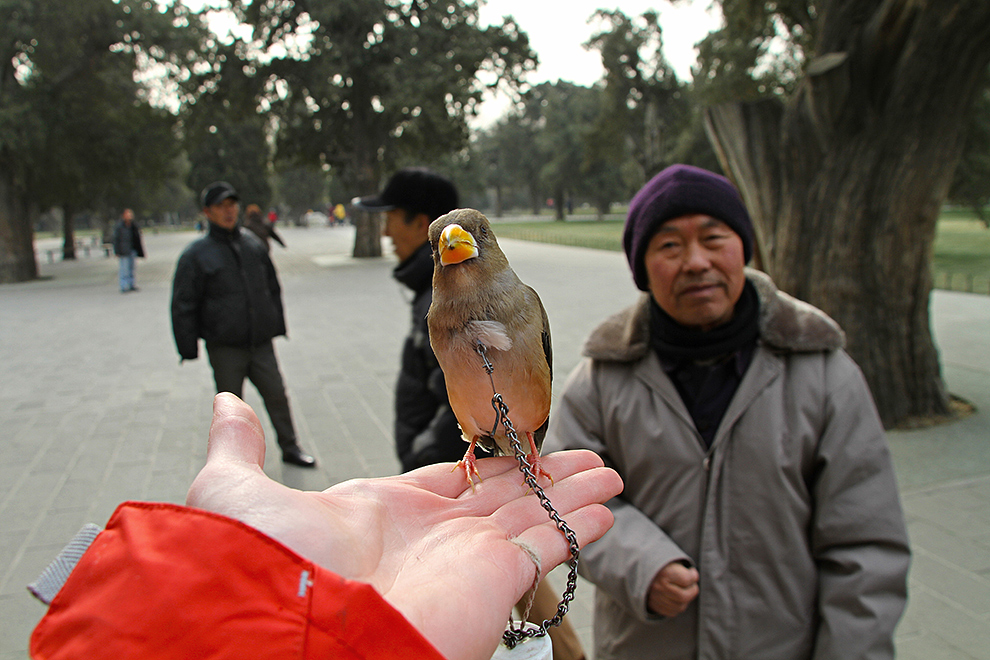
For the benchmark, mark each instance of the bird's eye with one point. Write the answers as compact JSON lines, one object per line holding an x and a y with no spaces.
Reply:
{"x":484,"y":231}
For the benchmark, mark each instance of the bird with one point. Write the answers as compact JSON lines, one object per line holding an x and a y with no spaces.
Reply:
{"x":480,"y":302}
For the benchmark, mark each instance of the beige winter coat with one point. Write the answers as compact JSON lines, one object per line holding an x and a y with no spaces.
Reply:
{"x":792,"y":517}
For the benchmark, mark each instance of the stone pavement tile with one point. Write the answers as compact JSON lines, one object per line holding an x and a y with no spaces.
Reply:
{"x":949,"y":452}
{"x":939,"y":628}
{"x":946,"y":507}
{"x":20,"y":612}
{"x":75,"y":490}
{"x":20,"y":509}
{"x":926,"y":647}
{"x":969,"y":554}
{"x":9,"y":473}
{"x":966,"y":591}
{"x":30,"y":563}
{"x":11,"y":542}
{"x":58,"y":527}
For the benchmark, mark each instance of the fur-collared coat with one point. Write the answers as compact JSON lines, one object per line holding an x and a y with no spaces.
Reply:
{"x":792,"y":517}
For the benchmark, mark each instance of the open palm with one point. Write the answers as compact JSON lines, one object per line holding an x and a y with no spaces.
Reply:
{"x":446,"y":556}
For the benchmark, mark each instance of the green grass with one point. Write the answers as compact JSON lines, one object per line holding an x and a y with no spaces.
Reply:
{"x":962,"y":254}
{"x":962,"y":244}
{"x":591,"y":233}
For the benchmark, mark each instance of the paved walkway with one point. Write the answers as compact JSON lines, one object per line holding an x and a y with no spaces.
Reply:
{"x":95,"y":409}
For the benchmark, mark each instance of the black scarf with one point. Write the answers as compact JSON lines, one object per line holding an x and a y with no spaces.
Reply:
{"x":707,"y":367}
{"x":416,"y":272}
{"x":675,"y":342}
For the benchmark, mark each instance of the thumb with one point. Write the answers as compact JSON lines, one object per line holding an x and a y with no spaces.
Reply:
{"x":235,"y":434}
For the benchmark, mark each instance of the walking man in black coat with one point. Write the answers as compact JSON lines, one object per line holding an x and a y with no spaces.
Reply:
{"x":226,"y":291}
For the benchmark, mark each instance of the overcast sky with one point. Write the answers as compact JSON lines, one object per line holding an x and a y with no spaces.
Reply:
{"x":557,"y":36}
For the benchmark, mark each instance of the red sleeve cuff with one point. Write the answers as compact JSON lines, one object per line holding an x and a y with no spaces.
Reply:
{"x":165,"y":581}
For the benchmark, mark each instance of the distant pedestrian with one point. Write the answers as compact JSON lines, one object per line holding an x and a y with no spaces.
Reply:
{"x":127,"y":246}
{"x":264,"y":230}
{"x":227,"y":292}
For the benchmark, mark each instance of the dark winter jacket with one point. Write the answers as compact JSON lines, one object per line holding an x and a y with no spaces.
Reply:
{"x":127,"y":240}
{"x":226,"y":291}
{"x":426,"y":430}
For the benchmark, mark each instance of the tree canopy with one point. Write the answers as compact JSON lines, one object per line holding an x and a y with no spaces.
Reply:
{"x":76,"y":129}
{"x":356,"y":86}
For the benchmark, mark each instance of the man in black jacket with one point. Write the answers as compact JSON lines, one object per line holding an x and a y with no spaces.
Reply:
{"x":426,"y":430}
{"x":226,"y":291}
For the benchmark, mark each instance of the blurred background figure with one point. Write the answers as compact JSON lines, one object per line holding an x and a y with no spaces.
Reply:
{"x":127,"y":246}
{"x":261,"y":228}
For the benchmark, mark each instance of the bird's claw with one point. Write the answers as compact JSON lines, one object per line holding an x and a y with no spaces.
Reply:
{"x":536,"y":467}
{"x":470,"y":467}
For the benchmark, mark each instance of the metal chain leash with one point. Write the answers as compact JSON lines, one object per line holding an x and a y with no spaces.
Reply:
{"x":514,"y":635}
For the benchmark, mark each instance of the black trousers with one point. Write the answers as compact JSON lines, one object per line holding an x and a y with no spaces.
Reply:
{"x":231,"y":365}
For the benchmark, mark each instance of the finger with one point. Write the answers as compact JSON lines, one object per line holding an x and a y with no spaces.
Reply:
{"x":236,"y":434}
{"x":680,"y":575}
{"x":448,"y":479}
{"x":588,"y":523}
{"x":594,"y":485}
{"x":500,"y":478}
{"x":500,"y":489}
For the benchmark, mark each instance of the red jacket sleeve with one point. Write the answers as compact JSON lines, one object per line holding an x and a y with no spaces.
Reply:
{"x":164,"y":581}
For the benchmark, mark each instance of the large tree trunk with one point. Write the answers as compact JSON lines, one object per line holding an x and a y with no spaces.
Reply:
{"x":846,"y":179}
{"x":68,"y":233}
{"x":367,"y":228}
{"x":499,"y":204}
{"x":17,"y":260}
{"x":535,"y":199}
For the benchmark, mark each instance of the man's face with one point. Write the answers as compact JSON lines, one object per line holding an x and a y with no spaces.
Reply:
{"x":128,"y":216}
{"x":695,"y":266}
{"x":223,"y":214}
{"x":406,"y":236}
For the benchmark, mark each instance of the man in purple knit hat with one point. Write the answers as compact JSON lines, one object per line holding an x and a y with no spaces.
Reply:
{"x":760,"y":516}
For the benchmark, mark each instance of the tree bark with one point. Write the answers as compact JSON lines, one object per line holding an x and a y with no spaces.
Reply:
{"x":68,"y":233}
{"x":846,"y":179}
{"x":17,"y":260}
{"x":499,"y":209}
{"x":367,"y":229}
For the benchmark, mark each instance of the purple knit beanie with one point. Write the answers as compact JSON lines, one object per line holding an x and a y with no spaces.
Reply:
{"x":677,"y":191}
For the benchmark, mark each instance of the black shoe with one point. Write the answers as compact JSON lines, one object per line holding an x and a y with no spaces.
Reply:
{"x":297,"y":456}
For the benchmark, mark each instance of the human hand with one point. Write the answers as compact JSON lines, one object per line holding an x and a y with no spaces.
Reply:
{"x":448,"y":558}
{"x":673,"y":589}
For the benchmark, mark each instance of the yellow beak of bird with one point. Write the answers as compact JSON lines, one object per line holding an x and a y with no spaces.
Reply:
{"x":456,"y":245}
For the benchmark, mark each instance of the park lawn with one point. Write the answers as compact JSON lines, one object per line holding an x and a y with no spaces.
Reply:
{"x":962,"y":244}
